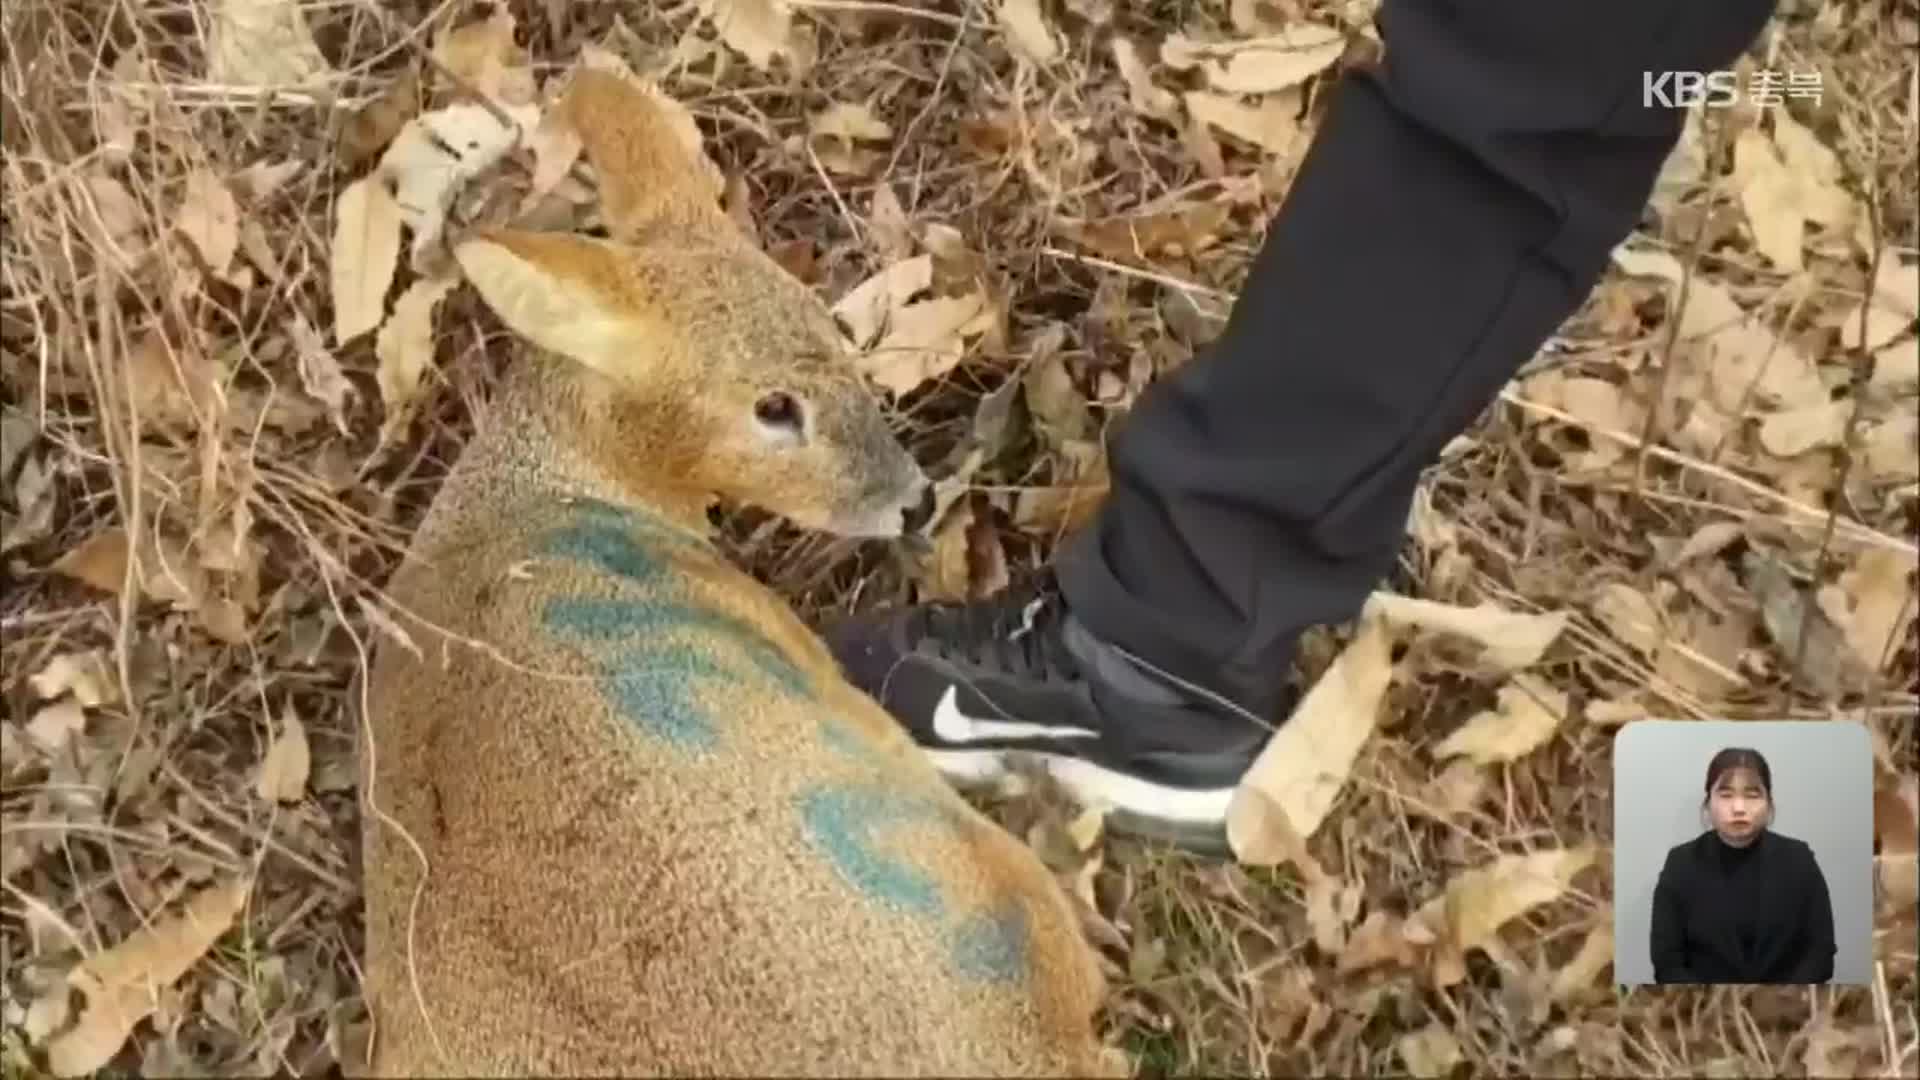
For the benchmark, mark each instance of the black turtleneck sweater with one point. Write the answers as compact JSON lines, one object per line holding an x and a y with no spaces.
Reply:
{"x":1754,"y":914}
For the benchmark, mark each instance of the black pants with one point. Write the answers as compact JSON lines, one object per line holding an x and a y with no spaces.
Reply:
{"x":1455,"y":208}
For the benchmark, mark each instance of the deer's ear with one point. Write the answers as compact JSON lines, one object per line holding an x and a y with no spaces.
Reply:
{"x":564,"y":293}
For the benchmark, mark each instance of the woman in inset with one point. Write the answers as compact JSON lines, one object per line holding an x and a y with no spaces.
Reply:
{"x":1741,"y":903}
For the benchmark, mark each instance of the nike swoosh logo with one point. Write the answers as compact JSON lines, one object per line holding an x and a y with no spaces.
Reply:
{"x":954,"y":726}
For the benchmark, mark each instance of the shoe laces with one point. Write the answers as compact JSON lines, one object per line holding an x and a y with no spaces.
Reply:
{"x":1018,"y":630}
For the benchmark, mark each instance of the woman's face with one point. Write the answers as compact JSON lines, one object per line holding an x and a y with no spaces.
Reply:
{"x":1738,"y":805}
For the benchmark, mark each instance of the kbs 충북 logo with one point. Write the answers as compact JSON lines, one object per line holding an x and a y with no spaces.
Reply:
{"x":1721,"y":89}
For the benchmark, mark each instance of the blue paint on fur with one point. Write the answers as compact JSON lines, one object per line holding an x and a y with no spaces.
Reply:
{"x":607,"y":620}
{"x":608,"y":547}
{"x":993,"y":947}
{"x":652,"y":679}
{"x":840,"y":821}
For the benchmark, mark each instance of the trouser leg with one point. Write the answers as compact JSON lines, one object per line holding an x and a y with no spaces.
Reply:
{"x":1455,"y":208}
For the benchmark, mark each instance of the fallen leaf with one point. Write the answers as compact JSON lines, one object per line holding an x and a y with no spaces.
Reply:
{"x":1727,"y":348}
{"x":1277,"y":62}
{"x":1796,"y":431}
{"x":1305,"y":764}
{"x":1147,"y":98}
{"x":1595,"y":955}
{"x":1896,"y":369}
{"x":947,"y":577}
{"x":121,"y":218}
{"x":1783,"y":184}
{"x":483,"y":54}
{"x":87,"y":674}
{"x":1270,"y":125}
{"x":54,"y":726}
{"x":1630,"y":616}
{"x":100,"y":561}
{"x":1891,"y":450}
{"x":867,"y":306}
{"x":1814,"y":650}
{"x":925,"y":340}
{"x":320,"y":374}
{"x":264,"y":43}
{"x":122,"y":984}
{"x":848,"y":121}
{"x":1509,"y":640}
{"x":172,"y":384}
{"x":367,"y":131}
{"x":1027,"y":30}
{"x":759,"y":30}
{"x":283,"y":773}
{"x":1528,"y":713}
{"x":365,"y":254}
{"x":1059,"y":411}
{"x":1469,"y":913}
{"x":1890,"y":307}
{"x":405,"y":348}
{"x":1378,"y":941}
{"x":1185,"y":231}
{"x":1430,"y":1052}
{"x":210,"y":220}
{"x":261,"y":180}
{"x":1080,"y":488}
{"x":1710,"y":539}
{"x":1880,"y":602}
{"x":887,"y":224}
{"x":436,"y":155}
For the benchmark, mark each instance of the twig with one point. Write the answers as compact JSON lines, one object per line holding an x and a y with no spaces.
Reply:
{"x":1858,"y":532}
{"x":1168,"y":280}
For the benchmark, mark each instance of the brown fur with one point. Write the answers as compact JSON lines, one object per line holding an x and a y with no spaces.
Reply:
{"x":670,"y":884}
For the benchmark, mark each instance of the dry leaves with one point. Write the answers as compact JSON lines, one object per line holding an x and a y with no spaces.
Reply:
{"x":482,"y":53}
{"x":366,"y":252}
{"x":1477,"y":903}
{"x":1786,"y":183}
{"x":1527,"y":716}
{"x":264,"y":43}
{"x":122,"y":984}
{"x":283,"y":772}
{"x":1027,"y":31}
{"x":405,"y":349}
{"x":1271,"y":125}
{"x":905,"y":343}
{"x":1877,"y":605}
{"x":760,"y":30}
{"x":1509,"y":640}
{"x":1293,"y":783}
{"x":210,"y":220}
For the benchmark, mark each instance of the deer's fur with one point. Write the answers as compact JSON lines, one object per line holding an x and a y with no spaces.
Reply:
{"x":627,"y":817}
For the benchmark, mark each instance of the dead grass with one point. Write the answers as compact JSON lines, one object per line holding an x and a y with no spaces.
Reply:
{"x":159,"y":404}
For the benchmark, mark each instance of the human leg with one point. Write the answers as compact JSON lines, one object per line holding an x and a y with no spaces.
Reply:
{"x":1455,"y":207}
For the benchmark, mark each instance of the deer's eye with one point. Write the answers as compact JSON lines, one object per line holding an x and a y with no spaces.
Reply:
{"x":779,"y":410}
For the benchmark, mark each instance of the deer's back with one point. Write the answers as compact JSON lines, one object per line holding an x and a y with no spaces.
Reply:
{"x":666,"y":837}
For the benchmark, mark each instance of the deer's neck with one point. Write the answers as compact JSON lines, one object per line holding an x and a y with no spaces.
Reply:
{"x":530,"y":446}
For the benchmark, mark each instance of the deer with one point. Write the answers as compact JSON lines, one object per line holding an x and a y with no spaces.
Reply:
{"x":624,"y":815}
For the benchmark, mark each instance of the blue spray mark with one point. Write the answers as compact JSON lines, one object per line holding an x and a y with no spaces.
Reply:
{"x":840,"y":821}
{"x":993,"y":947}
{"x":608,"y":620}
{"x":653,"y":686}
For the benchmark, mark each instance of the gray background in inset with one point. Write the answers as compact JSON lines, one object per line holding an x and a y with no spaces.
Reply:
{"x":1823,"y":794}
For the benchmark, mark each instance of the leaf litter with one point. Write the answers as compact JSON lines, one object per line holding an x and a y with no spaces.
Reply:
{"x":1462,"y":727}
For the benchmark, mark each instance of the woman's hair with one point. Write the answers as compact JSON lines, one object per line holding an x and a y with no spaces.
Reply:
{"x":1738,"y":757}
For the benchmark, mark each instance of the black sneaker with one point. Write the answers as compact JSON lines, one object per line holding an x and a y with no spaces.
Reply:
{"x":1016,"y":676}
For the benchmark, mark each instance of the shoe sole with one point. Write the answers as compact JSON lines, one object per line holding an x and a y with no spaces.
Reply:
{"x":1194,"y":821}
